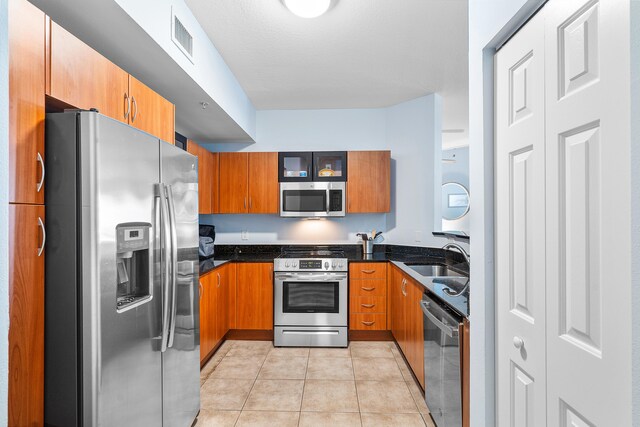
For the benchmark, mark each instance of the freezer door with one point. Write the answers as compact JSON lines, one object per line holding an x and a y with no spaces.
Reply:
{"x":122,"y":384}
{"x":181,"y":360}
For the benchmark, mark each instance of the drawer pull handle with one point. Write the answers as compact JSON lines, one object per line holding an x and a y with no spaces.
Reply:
{"x":368,"y":289}
{"x":44,"y":236}
{"x":368,"y":271}
{"x":368,"y":323}
{"x":368,"y":305}
{"x":41,"y":182}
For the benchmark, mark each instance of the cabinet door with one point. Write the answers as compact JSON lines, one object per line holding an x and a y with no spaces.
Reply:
{"x":263,"y":183}
{"x":150,"y":112}
{"x":255,"y":296}
{"x":26,"y":102}
{"x":227,"y":281}
{"x":397,"y":307}
{"x":204,"y":176}
{"x":369,"y":181}
{"x":83,"y":78}
{"x":234,"y":181}
{"x":214,"y":174}
{"x":415,"y":330}
{"x":26,"y":315}
{"x":206,"y":324}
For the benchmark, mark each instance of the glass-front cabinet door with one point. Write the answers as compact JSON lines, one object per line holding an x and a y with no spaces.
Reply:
{"x":295,"y":166}
{"x":330,"y":166}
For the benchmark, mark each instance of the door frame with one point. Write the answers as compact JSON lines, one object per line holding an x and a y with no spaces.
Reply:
{"x":483,"y":402}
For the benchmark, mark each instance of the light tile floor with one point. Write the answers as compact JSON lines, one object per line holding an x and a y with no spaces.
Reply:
{"x":251,"y":383}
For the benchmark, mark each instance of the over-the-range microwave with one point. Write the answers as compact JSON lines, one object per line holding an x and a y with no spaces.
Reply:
{"x":312,"y":199}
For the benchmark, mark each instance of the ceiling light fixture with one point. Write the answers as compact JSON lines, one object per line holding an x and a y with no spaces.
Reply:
{"x":307,"y":8}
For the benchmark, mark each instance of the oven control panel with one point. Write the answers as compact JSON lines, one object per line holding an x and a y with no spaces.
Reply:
{"x":309,"y":264}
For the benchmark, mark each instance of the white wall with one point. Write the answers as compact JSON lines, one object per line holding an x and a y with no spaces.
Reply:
{"x":456,"y":172}
{"x":4,"y":200}
{"x":489,"y":21}
{"x":635,"y":207}
{"x":210,"y":70}
{"x":411,"y":130}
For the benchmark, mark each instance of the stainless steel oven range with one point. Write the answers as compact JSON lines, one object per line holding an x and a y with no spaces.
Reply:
{"x":310,"y":298}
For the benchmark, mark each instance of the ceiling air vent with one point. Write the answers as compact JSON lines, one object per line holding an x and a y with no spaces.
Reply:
{"x":181,"y":36}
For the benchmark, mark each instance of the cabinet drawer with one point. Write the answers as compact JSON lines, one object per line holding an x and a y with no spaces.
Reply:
{"x":368,"y":288}
{"x":368,"y":321}
{"x":360,"y":304}
{"x":368,"y":270}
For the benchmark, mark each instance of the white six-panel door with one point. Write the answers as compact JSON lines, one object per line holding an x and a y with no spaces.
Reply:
{"x":520,"y":224}
{"x":563,"y":267}
{"x":588,"y":213}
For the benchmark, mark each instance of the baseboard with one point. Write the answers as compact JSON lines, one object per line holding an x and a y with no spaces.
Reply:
{"x":355,"y":335}
{"x":250,"y":334}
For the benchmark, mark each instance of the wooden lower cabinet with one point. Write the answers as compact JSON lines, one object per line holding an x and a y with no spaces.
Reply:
{"x":26,"y":315}
{"x":217,"y":307}
{"x":254,"y":296}
{"x":406,"y":320}
{"x":207,"y":315}
{"x":368,"y":296}
{"x":415,"y":330}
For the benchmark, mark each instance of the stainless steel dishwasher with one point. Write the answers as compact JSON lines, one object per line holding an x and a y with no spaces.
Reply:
{"x":442,"y":361}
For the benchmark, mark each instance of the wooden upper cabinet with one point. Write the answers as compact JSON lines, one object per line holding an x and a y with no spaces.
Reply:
{"x":254,"y":296}
{"x":150,"y":112}
{"x":369,"y":181}
{"x":263,"y":183}
{"x":83,"y":78}
{"x":26,"y":102}
{"x":234,"y":182}
{"x":208,"y":178}
{"x":26,"y":315}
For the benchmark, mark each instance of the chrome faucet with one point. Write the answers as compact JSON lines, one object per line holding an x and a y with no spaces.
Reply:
{"x":460,"y":249}
{"x":467,"y":258}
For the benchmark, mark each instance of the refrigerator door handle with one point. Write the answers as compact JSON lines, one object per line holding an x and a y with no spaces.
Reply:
{"x":174,"y":264}
{"x":164,"y":248}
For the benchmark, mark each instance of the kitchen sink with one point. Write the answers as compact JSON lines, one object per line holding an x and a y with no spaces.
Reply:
{"x":433,"y":270}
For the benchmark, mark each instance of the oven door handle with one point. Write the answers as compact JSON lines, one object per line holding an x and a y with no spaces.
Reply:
{"x":311,"y":277}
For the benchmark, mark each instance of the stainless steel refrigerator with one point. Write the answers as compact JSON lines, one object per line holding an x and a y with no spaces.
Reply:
{"x":121,"y":273}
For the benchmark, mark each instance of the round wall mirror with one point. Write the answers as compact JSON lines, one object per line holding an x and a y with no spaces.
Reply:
{"x":455,"y":201}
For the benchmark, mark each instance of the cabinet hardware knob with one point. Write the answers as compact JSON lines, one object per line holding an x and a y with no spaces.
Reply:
{"x":41,"y":162}
{"x":367,"y":289}
{"x":518,"y":342}
{"x":368,"y":323}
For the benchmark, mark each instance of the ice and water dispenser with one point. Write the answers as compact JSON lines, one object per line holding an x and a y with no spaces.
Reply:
{"x":134,"y":267}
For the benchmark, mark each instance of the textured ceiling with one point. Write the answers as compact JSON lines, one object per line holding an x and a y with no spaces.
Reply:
{"x":360,"y":54}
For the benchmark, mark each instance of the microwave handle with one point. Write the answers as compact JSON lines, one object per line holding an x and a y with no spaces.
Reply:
{"x":328,"y":201}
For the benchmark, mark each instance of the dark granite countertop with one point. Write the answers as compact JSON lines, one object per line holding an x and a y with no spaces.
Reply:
{"x":401,"y":256}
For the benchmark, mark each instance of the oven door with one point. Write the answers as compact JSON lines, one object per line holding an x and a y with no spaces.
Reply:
{"x":310,"y":299}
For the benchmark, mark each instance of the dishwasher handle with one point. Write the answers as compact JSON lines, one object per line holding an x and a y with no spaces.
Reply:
{"x":447,"y":329}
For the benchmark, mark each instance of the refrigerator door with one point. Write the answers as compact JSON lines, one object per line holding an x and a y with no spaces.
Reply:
{"x":181,"y":360}
{"x":122,"y":385}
